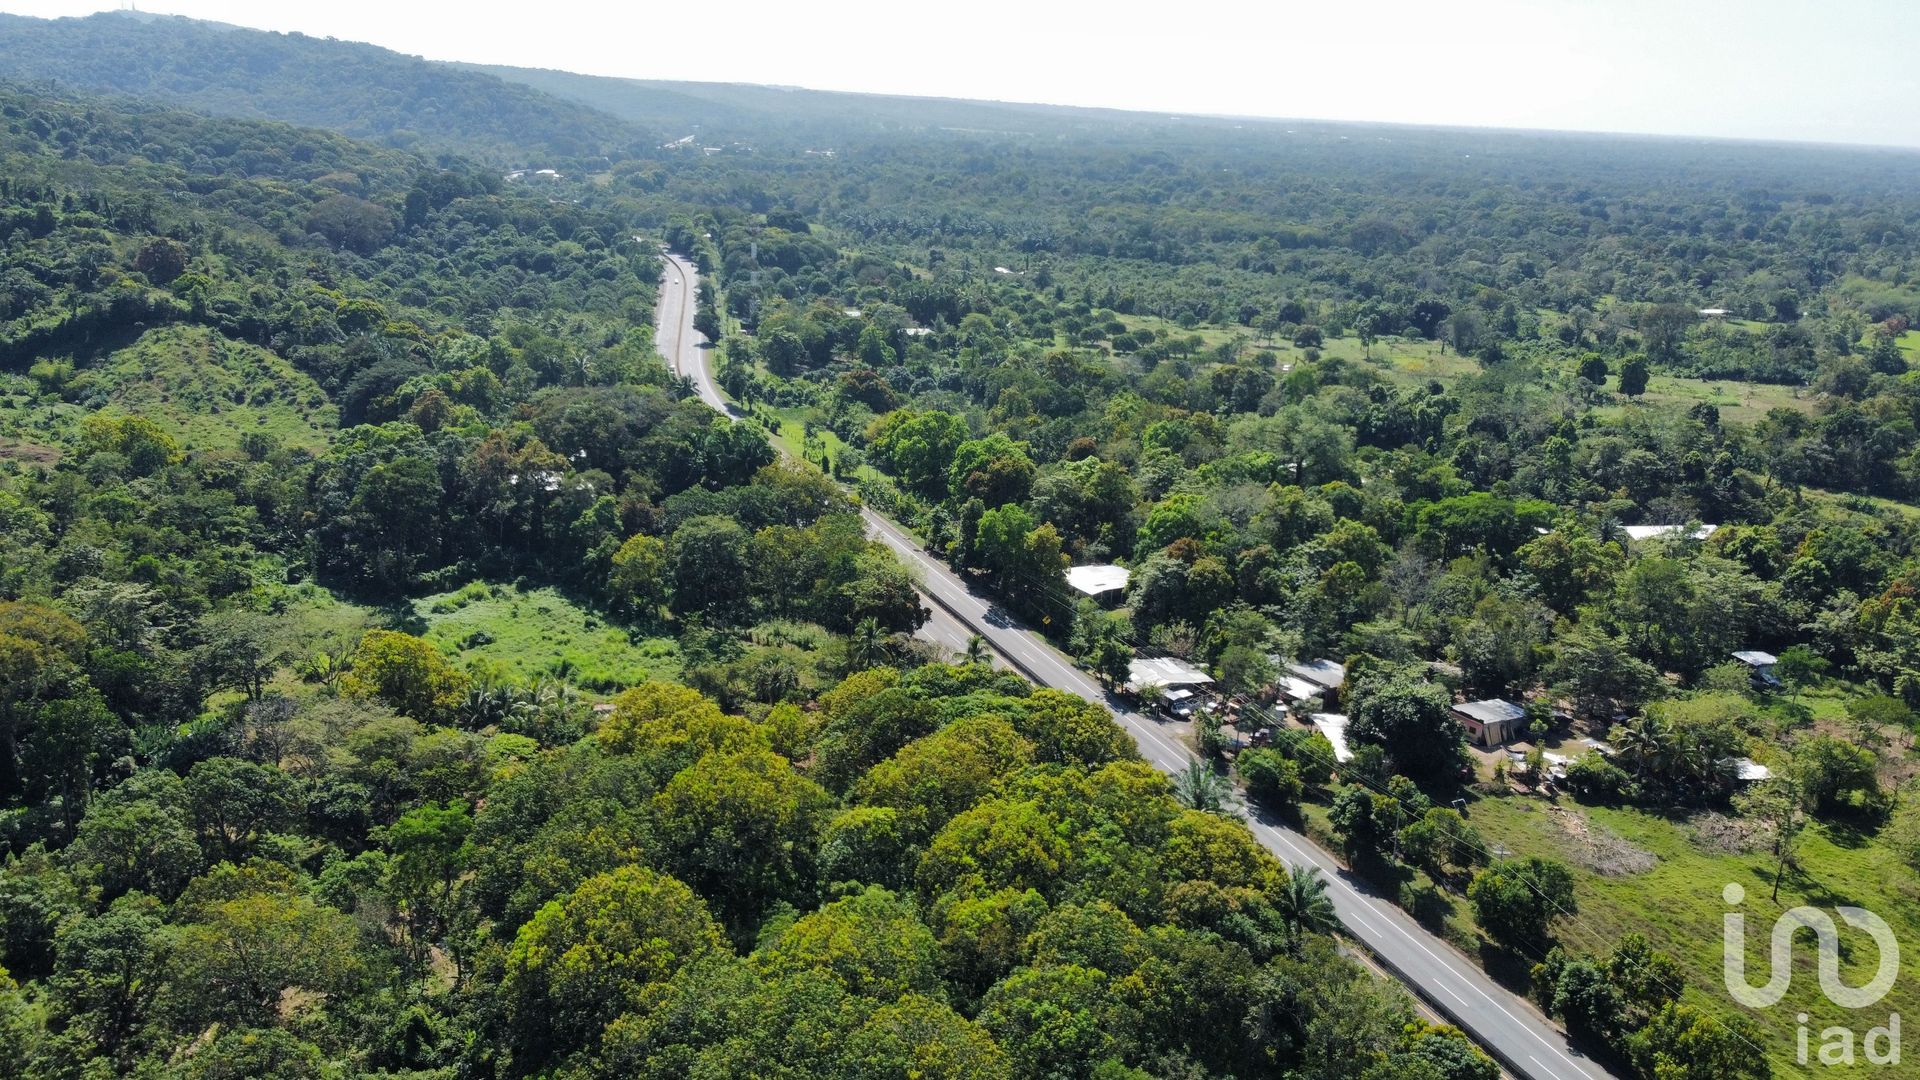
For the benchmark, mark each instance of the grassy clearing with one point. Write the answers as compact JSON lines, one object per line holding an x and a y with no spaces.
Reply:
{"x":1678,"y":903}
{"x":208,"y":391}
{"x":1909,"y":343}
{"x":792,"y":436}
{"x":1739,"y":402}
{"x":523,"y":633}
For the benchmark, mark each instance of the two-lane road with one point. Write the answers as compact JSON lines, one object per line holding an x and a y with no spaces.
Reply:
{"x":674,"y":336}
{"x":685,"y":349}
{"x":1501,"y":1021}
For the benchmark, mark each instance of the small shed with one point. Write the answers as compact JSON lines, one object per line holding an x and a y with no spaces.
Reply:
{"x":1760,"y":668}
{"x":1490,"y":722}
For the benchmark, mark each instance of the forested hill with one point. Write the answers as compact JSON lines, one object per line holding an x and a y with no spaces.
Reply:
{"x":777,"y":114}
{"x":358,"y":90}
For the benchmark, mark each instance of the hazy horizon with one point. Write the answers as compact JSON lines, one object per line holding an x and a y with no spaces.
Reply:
{"x":1701,"y":70}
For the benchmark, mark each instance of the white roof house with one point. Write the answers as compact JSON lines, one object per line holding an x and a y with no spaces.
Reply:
{"x":1746,"y":770}
{"x":1490,"y":722}
{"x":1164,"y":671}
{"x":1654,"y":532}
{"x":1756,"y":658}
{"x":1094,"y":580}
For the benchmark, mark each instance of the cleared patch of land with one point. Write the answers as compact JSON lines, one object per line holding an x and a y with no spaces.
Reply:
{"x":523,"y":633}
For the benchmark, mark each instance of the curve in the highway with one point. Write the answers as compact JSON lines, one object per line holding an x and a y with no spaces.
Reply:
{"x":1502,"y":1022}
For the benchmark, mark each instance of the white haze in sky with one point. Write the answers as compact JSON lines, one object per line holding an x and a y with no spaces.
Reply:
{"x":1810,"y":70}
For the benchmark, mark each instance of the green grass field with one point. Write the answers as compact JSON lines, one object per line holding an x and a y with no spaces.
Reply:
{"x":1738,"y":402}
{"x":527,"y":632}
{"x":208,"y":391}
{"x":1678,"y":902}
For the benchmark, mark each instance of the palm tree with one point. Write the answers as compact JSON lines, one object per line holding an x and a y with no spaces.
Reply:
{"x":1303,"y":905}
{"x":976,"y":649}
{"x":867,"y":645}
{"x":1647,"y":743}
{"x":1198,"y":787}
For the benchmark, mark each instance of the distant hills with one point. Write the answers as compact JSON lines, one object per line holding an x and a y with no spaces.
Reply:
{"x":726,"y":110}
{"x":503,"y":115}
{"x":358,"y":90}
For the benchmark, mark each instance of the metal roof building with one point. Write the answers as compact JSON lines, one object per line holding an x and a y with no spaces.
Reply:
{"x":1095,"y":580}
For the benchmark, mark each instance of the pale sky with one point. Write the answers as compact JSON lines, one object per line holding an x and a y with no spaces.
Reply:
{"x":1813,"y":70}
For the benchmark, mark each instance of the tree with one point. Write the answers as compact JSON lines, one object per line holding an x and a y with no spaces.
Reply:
{"x":1902,"y":835}
{"x":978,"y":651}
{"x":641,"y":575}
{"x":1303,"y":905}
{"x":247,"y":939}
{"x":1244,"y":669}
{"x":872,"y":943}
{"x":235,"y":803}
{"x":1578,"y":991}
{"x":710,"y":568}
{"x":1364,"y":820}
{"x":742,"y":829}
{"x":1800,"y":667}
{"x":1633,"y":376}
{"x":1427,"y":315}
{"x":1053,"y":1021}
{"x":1198,"y":787}
{"x":920,"y":1037}
{"x":407,"y":673}
{"x":161,"y":259}
{"x":918,"y":446}
{"x":1069,"y":730}
{"x":995,"y":470}
{"x":1598,"y":675}
{"x":1411,"y":720}
{"x":1833,"y":774}
{"x":1664,"y":326}
{"x":866,"y":646}
{"x":585,"y":959}
{"x":1442,"y":842}
{"x":1271,"y":778}
{"x":429,"y":853}
{"x":1112,"y":660}
{"x":107,"y":978}
{"x":938,"y":775}
{"x":1593,"y":368}
{"x":244,"y":649}
{"x":1682,"y":1042}
{"x":354,"y":224}
{"x":1516,"y":900}
{"x":137,"y":836}
{"x":144,"y":444}
{"x":1499,"y":647}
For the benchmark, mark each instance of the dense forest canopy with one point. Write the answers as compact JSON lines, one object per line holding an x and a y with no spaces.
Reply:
{"x":404,"y":675}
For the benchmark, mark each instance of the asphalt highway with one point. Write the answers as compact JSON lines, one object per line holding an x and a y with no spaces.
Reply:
{"x":1507,"y":1025}
{"x":686,"y":348}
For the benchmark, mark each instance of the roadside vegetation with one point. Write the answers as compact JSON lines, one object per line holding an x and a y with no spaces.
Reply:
{"x":403,"y":675}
